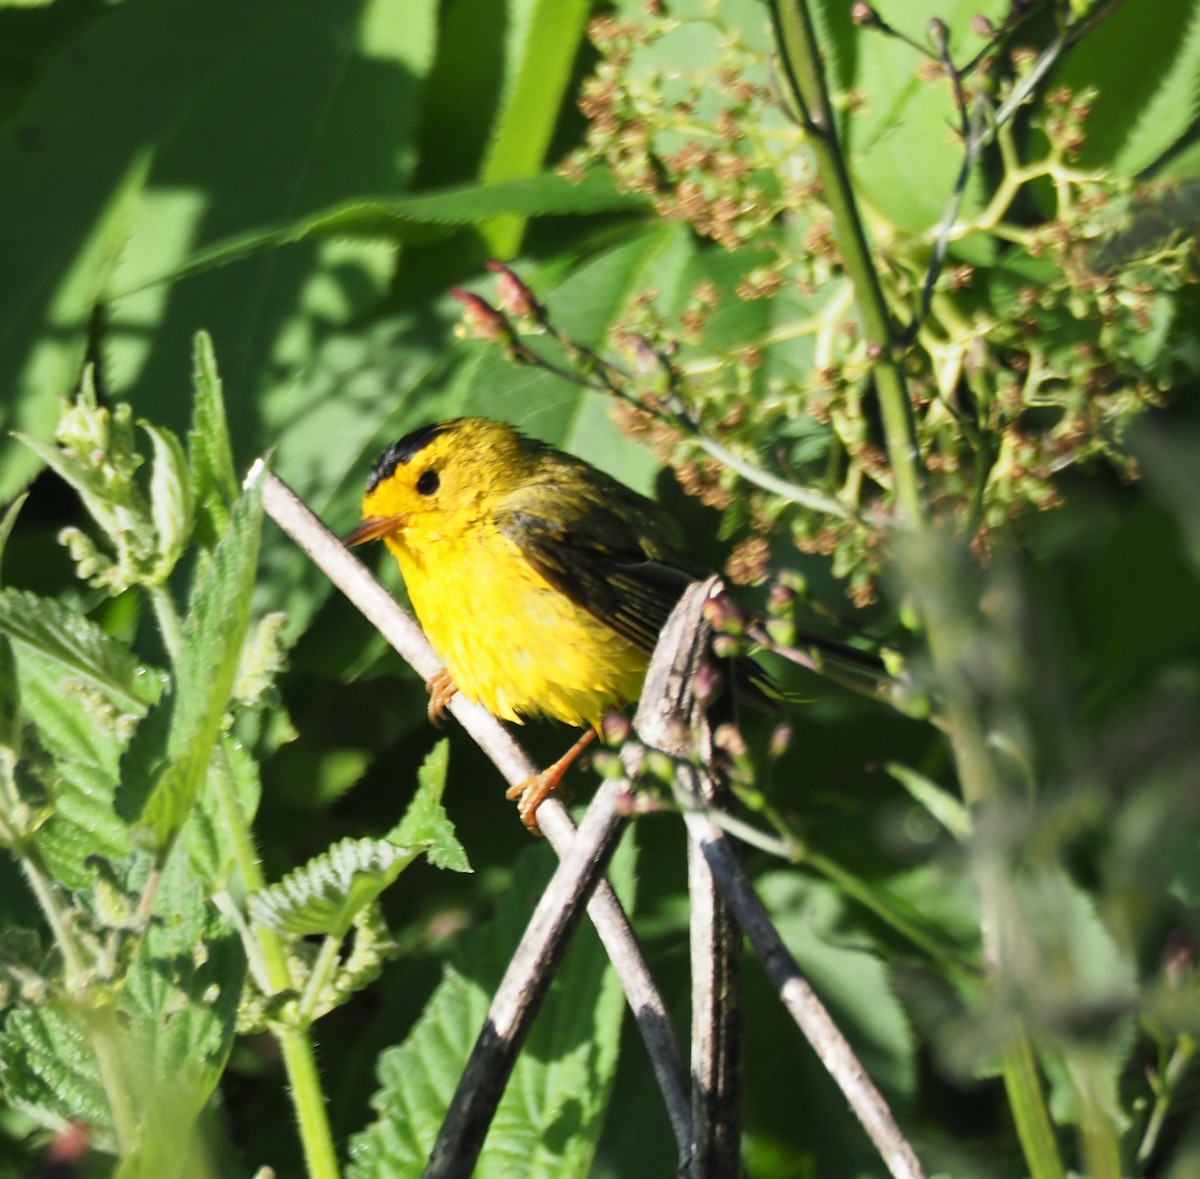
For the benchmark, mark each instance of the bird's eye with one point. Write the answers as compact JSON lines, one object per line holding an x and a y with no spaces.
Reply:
{"x":428,"y":483}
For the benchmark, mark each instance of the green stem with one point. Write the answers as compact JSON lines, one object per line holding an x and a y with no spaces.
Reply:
{"x":299,"y":1057}
{"x":802,"y":68}
{"x":1166,"y":1089}
{"x":319,"y":975}
{"x":1029,"y":1110}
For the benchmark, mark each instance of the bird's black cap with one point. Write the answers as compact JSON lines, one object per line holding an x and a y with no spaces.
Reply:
{"x":403,"y":452}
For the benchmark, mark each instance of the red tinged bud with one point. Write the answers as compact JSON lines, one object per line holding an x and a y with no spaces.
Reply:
{"x":514,"y":296}
{"x":482,"y":320}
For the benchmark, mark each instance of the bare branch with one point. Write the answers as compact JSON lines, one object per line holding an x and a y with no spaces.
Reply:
{"x":382,"y":610}
{"x":523,"y":988}
{"x":671,"y":719}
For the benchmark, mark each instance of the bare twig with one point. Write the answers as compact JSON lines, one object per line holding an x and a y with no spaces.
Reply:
{"x":798,"y":997}
{"x":605,"y":911}
{"x":671,"y":719}
{"x":677,"y":736}
{"x":519,"y":996}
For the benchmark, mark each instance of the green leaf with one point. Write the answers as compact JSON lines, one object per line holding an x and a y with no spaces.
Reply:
{"x":180,"y":1006}
{"x":77,"y":162}
{"x":165,"y":1044}
{"x":550,"y":1117}
{"x":210,"y":455}
{"x":1138,"y":115}
{"x":172,"y":502}
{"x":72,"y":757}
{"x":79,"y":646}
{"x":423,"y":218}
{"x":49,"y":1070}
{"x":327,"y":893}
{"x":169,"y":758}
{"x":940,"y":803}
{"x":902,"y":113}
{"x":206,"y":835}
{"x":8,"y":520}
{"x":425,"y":825}
{"x":542,"y":42}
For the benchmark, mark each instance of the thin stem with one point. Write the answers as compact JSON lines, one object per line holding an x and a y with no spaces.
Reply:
{"x":1165,"y":1090}
{"x":299,"y":1057}
{"x":319,"y":974}
{"x":308,"y":1101}
{"x":802,"y":68}
{"x":1029,"y":1110}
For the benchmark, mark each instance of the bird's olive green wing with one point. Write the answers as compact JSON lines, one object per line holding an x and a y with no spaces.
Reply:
{"x":607,"y":548}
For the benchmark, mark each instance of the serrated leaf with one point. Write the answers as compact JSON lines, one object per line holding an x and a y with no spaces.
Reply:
{"x":206,"y":835}
{"x":76,"y":643}
{"x":48,"y":1069}
{"x":180,"y":1005}
{"x":172,"y":501}
{"x":426,"y":825}
{"x":423,"y":218}
{"x":326,"y":894}
{"x":167,"y":763}
{"x":210,"y":455}
{"x":550,"y":1117}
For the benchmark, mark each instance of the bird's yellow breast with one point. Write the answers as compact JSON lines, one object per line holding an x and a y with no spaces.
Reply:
{"x":511,"y":641}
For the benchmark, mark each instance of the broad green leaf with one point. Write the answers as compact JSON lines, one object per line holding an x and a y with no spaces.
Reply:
{"x":165,"y":1044}
{"x":1138,"y":115}
{"x":82,"y":649}
{"x":425,"y":824}
{"x":540,"y":48}
{"x":906,"y":113}
{"x":72,"y":755}
{"x":335,"y":91}
{"x":326,"y":894}
{"x":172,"y":500}
{"x":49,"y":1070}
{"x":169,"y":758}
{"x":76,"y":161}
{"x":207,"y":836}
{"x":550,"y":1117}
{"x":423,"y":217}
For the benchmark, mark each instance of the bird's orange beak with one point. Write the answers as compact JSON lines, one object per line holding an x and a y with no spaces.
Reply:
{"x":374,"y":528}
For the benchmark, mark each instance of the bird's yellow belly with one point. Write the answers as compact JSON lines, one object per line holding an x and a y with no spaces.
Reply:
{"x":514,"y":643}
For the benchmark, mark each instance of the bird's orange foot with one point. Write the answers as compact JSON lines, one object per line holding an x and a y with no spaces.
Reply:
{"x":441,"y":688}
{"x":535,"y":790}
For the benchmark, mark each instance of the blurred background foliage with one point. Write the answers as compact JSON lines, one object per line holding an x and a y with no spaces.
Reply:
{"x":306,"y":183}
